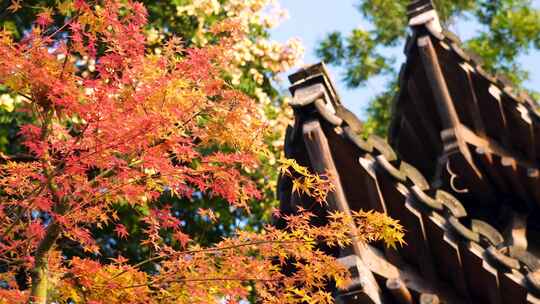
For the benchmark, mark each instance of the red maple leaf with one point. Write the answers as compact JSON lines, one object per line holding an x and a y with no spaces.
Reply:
{"x":182,"y":238}
{"x":44,"y":18}
{"x":35,"y":229}
{"x":43,"y":203}
{"x":121,"y":231}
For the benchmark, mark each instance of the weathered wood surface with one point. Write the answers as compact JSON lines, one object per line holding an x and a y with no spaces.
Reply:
{"x":321,"y":160}
{"x":399,"y":291}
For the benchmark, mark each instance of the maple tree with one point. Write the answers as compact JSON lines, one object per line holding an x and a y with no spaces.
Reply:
{"x":256,"y":62}
{"x":136,"y":130}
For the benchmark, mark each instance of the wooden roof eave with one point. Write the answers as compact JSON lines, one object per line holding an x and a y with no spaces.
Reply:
{"x":445,"y":223}
{"x":519,"y":134}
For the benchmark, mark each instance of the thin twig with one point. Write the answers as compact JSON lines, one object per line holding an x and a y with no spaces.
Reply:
{"x":188,"y":252}
{"x":199,"y":280}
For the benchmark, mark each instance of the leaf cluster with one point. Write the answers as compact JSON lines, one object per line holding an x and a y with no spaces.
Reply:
{"x":192,"y":23}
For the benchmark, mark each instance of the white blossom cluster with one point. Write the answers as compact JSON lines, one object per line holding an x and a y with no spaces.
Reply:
{"x":8,"y":102}
{"x":253,"y":55}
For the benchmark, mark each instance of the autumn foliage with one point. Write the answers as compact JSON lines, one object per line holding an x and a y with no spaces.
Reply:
{"x":137,"y":126}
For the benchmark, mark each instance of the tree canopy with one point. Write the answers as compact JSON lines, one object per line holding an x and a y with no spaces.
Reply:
{"x":507,"y":29}
{"x":256,"y":61}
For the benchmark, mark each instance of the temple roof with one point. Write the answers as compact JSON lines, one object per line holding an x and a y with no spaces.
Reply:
{"x":460,"y":173}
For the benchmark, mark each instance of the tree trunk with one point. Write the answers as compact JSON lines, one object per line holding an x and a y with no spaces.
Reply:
{"x":40,"y":279}
{"x":40,"y":272}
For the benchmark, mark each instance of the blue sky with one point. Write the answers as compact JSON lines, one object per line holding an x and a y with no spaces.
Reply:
{"x":310,"y":20}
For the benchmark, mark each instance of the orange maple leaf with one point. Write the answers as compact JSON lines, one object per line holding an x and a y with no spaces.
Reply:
{"x":15,"y":6}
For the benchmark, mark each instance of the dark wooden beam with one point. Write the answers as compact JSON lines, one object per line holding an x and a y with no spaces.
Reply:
{"x":323,"y":163}
{"x":445,"y":106}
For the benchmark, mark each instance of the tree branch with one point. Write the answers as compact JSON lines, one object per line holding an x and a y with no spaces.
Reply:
{"x":199,"y":280}
{"x":214,"y":249}
{"x":40,"y":276}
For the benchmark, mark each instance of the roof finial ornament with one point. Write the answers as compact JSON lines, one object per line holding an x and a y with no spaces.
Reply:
{"x":422,"y":12}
